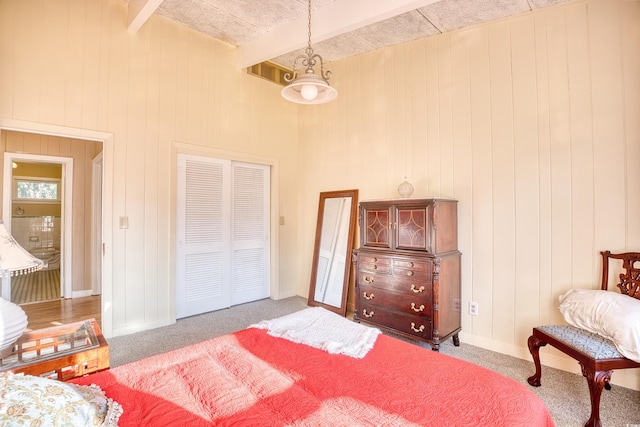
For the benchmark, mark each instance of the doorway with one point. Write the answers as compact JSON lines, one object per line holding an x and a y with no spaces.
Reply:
{"x":37,"y":191}
{"x":36,"y":224}
{"x":49,"y":206}
{"x":46,"y":139}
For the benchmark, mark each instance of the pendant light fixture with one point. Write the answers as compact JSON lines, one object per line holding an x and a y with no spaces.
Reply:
{"x":309,"y":88}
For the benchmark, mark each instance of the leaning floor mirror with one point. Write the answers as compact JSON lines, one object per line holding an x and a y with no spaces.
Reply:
{"x":335,"y":231}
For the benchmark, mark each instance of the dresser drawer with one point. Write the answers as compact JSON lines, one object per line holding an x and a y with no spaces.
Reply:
{"x":393,"y":301}
{"x":413,"y":325}
{"x":418,"y":326}
{"x":374,"y":264}
{"x":374,"y":259}
{"x":374,"y":278}
{"x":409,"y":285}
{"x":412,"y":264}
{"x":375,"y":268}
{"x":409,"y":274}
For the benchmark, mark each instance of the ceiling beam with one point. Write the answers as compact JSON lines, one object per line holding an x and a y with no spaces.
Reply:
{"x":139,"y":12}
{"x":338,"y":17}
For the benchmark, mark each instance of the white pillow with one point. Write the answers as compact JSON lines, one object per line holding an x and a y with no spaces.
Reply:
{"x":30,"y":400}
{"x":607,"y":313}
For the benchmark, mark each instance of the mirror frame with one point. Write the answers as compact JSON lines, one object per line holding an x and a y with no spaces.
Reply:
{"x":342,"y":310}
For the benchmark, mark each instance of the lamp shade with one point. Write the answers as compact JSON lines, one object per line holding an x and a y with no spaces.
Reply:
{"x":13,"y":322}
{"x":298,"y":90}
{"x":14,"y":259}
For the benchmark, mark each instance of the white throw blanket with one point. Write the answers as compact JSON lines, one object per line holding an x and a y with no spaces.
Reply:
{"x":323,"y":329}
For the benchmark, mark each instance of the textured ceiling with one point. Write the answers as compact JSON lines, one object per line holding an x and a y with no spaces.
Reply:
{"x":251,"y":22}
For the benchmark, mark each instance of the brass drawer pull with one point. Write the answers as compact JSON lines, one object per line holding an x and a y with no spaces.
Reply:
{"x":368,"y":296}
{"x":409,"y":264}
{"x":375,"y":267}
{"x":413,"y":307}
{"x":374,"y":259}
{"x":409,"y":273}
{"x":413,"y":327}
{"x":367,"y":279}
{"x":370,"y":314}
{"x":417,"y":290}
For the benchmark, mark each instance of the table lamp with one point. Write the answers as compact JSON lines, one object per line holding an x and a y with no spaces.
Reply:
{"x":14,"y":261}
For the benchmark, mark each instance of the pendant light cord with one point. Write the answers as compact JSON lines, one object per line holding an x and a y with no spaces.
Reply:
{"x":309,"y":14}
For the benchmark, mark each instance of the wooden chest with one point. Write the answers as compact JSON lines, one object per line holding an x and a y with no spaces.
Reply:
{"x":407,"y":271}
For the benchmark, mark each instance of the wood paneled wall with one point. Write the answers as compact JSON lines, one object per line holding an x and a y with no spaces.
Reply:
{"x":532,"y":123}
{"x":164,"y":89}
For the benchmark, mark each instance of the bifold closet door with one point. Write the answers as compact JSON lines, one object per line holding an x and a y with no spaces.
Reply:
{"x":203,"y":198}
{"x":250,"y":209}
{"x":222,"y":234}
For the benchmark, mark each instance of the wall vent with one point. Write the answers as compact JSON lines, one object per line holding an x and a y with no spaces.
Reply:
{"x":270,"y":71}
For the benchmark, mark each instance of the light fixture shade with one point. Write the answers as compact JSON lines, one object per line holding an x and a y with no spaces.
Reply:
{"x":14,"y":259}
{"x":292,"y":92}
{"x":13,"y":322}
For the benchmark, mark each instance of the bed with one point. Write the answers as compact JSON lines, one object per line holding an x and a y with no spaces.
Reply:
{"x":294,"y":371}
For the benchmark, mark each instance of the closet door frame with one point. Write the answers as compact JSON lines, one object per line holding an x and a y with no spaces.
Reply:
{"x":276,"y":292}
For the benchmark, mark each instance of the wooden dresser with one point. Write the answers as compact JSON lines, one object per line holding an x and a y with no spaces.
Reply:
{"x":408,"y":268}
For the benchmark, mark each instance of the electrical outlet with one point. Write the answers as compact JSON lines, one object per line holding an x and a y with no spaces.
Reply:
{"x":473,"y":308}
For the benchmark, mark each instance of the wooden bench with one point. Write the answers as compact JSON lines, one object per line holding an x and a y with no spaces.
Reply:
{"x":598,"y":356}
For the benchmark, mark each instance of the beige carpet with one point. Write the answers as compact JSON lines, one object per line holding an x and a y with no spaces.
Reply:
{"x":565,"y":394}
{"x":40,"y":286}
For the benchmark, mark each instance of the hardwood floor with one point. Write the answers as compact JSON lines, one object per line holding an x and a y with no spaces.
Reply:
{"x":54,"y":313}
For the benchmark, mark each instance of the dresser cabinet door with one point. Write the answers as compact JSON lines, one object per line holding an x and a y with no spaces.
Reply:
{"x":412,"y":228}
{"x":376,"y":225}
{"x":404,"y":226}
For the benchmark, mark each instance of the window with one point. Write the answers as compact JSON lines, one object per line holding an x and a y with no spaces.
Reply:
{"x":36,"y":189}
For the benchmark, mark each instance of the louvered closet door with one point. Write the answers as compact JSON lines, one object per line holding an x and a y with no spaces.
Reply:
{"x":250,"y":232}
{"x":202,"y":237}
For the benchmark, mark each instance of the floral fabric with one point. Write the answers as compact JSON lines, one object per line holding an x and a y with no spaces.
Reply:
{"x":32,"y":401}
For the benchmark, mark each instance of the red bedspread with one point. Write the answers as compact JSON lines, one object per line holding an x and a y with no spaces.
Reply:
{"x":252,"y":379}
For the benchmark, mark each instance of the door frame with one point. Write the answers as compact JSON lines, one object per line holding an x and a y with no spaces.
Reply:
{"x":184,"y":148}
{"x":107,"y":140}
{"x":96,"y":224}
{"x":66,"y":241}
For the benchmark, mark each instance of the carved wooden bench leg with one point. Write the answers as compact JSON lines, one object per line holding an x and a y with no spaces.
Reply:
{"x":534,"y":344}
{"x":596,"y":381}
